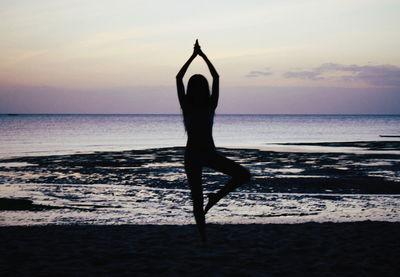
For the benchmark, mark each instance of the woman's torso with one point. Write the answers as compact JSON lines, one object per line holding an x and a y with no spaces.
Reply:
{"x":199,"y":125}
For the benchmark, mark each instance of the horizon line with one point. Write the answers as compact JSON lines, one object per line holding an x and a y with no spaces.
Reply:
{"x":17,"y":114}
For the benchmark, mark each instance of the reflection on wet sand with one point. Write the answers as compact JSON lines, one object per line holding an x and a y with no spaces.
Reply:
{"x":149,"y":186}
{"x":121,"y":204}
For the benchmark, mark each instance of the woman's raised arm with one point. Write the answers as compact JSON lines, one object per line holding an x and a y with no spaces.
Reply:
{"x":215,"y":84}
{"x":179,"y":77}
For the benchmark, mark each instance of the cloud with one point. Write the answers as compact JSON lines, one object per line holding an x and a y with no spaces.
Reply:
{"x":259,"y":73}
{"x":303,"y":75}
{"x":376,"y":75}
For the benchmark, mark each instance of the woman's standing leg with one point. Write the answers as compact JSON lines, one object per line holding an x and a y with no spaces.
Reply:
{"x":239,"y":176}
{"x":194,"y":173}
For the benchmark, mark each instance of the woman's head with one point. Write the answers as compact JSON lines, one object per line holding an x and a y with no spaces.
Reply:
{"x":198,"y":92}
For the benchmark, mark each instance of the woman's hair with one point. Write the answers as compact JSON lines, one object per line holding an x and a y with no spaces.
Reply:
{"x":198,"y":99}
{"x":198,"y":92}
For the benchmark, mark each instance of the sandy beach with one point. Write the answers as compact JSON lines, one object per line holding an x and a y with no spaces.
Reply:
{"x":92,"y":212}
{"x":311,"y":249}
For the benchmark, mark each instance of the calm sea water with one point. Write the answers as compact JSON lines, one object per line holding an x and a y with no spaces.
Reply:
{"x":50,"y":134}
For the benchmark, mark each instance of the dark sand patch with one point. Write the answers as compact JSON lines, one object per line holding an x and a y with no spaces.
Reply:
{"x":312,"y":249}
{"x":369,"y":173}
{"x":7,"y":204}
{"x":20,"y":204}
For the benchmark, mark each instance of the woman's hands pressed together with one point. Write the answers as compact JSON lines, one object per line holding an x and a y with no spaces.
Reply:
{"x":197,"y":49}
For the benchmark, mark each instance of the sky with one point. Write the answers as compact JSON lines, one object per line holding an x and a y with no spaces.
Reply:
{"x":277,"y":56}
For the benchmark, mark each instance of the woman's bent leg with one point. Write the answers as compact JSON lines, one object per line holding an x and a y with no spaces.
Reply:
{"x":194,"y":173}
{"x":239,"y":174}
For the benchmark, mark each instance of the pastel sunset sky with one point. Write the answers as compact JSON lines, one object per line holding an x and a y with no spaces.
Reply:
{"x":277,"y":56}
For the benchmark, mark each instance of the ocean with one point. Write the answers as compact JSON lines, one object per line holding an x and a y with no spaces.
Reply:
{"x":24,"y":135}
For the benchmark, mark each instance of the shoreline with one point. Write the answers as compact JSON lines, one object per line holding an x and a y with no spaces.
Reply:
{"x":350,"y":146}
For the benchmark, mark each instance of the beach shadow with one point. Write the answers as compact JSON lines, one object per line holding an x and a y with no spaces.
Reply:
{"x":310,"y":249}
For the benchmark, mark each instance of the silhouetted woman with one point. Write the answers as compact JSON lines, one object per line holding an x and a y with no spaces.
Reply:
{"x":198,"y":108}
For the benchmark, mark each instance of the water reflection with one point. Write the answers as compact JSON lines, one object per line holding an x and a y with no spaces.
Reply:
{"x":120,"y":204}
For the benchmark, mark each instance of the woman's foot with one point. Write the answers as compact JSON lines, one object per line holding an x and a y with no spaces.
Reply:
{"x":212,"y":200}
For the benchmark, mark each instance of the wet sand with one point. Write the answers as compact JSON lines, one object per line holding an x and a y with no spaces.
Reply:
{"x":273,"y":171}
{"x":311,"y":249}
{"x":150,"y":187}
